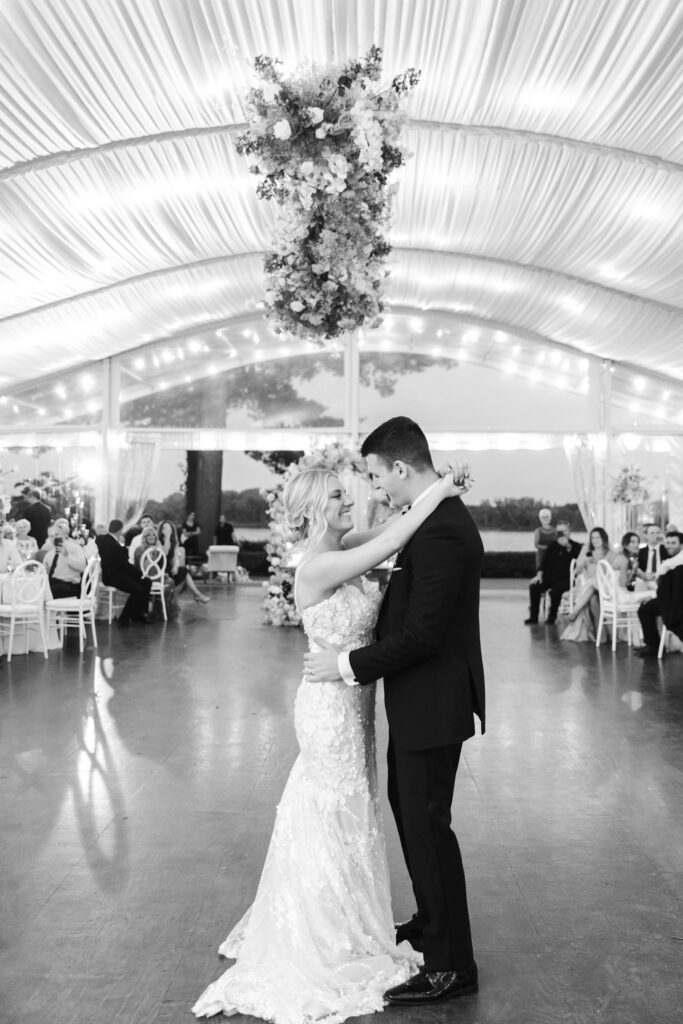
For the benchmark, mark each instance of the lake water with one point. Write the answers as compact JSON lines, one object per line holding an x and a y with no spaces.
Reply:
{"x":494,"y":540}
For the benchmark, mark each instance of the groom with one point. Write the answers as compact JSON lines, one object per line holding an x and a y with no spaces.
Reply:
{"x":428,"y":651}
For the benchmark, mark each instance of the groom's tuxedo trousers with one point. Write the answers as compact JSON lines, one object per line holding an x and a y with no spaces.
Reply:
{"x":428,"y":651}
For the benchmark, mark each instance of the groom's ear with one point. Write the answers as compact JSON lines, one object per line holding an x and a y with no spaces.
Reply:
{"x":401,"y":468}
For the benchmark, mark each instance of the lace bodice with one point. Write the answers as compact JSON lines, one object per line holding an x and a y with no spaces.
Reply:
{"x":346,"y":619}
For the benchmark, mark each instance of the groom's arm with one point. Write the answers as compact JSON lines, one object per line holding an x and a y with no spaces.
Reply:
{"x":438,"y":563}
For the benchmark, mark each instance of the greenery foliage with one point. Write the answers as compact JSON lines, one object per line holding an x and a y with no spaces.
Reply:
{"x":57,"y":494}
{"x":269,"y":391}
{"x":522,"y":514}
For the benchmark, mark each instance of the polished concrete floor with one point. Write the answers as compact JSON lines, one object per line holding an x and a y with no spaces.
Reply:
{"x":139,"y":781}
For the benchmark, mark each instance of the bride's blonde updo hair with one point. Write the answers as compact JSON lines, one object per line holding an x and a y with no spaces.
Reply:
{"x":305,"y":498}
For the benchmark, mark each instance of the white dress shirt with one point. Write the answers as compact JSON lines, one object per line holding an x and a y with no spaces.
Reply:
{"x":670,"y":563}
{"x":71,"y":560}
{"x":343,"y":660}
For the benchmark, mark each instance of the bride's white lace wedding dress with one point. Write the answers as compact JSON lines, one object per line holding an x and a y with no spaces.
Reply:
{"x":318,"y":942}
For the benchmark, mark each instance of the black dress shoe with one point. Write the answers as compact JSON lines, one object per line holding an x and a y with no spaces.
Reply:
{"x":531,"y":622}
{"x":551,"y":620}
{"x":434,"y":987}
{"x":646,"y":652}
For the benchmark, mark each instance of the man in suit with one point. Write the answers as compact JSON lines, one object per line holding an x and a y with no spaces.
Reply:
{"x":38,"y":515}
{"x":428,"y":651}
{"x":650,"y":611}
{"x":118,"y":572}
{"x":651,"y":555}
{"x":553,"y":574}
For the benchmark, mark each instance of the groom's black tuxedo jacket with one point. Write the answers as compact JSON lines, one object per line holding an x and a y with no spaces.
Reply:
{"x":428,"y":646}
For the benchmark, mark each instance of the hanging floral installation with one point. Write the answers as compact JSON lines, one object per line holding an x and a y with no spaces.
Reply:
{"x":629,"y":487}
{"x":282,"y":553}
{"x":325,"y":142}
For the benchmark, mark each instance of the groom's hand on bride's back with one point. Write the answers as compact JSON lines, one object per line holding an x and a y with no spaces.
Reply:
{"x":321,"y":666}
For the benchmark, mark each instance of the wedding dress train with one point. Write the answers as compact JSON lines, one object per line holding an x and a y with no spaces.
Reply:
{"x":318,"y":942}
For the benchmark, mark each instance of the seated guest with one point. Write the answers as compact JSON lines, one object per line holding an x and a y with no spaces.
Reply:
{"x":89,"y":546}
{"x":674,"y":552}
{"x":543,"y":535}
{"x":168,"y":541}
{"x":27,"y":546}
{"x":64,"y":560}
{"x":10,"y":556}
{"x":584,"y":618}
{"x":650,"y":611}
{"x":118,"y":572}
{"x":145,"y":521}
{"x":224,"y":532}
{"x":553,"y":575}
{"x":651,"y":554}
{"x":626,"y":563}
{"x":189,"y":535}
{"x":146,"y":540}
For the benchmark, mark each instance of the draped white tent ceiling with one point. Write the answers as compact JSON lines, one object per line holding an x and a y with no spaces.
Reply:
{"x":543,"y":202}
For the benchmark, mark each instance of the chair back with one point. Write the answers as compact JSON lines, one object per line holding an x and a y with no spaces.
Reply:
{"x":573,"y":583}
{"x":89,"y":580}
{"x":606,"y":582}
{"x":153,"y":564}
{"x":29,"y":582}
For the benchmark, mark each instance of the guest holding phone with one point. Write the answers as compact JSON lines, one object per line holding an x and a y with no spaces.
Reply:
{"x":553,"y":575}
{"x":65,"y":561}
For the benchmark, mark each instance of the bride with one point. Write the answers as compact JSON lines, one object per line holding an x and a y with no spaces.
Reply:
{"x":318,"y":943}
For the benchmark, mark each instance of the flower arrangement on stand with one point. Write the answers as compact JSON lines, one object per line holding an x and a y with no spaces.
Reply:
{"x":283,"y":554}
{"x":629,"y":490}
{"x":325,"y":142}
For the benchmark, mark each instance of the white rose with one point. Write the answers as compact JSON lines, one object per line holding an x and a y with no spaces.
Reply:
{"x":296,"y":306}
{"x":282,"y":130}
{"x":315,"y":114}
{"x":321,"y":132}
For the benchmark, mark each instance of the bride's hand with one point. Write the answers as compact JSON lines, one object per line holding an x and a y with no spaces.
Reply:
{"x":458,"y":475}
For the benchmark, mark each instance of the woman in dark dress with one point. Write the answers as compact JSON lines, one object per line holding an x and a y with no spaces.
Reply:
{"x":189,"y":535}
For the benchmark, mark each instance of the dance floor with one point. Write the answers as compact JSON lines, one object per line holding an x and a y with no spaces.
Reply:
{"x":139,"y":783}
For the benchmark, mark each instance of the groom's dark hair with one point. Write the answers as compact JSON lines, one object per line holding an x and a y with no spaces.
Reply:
{"x":399,"y":438}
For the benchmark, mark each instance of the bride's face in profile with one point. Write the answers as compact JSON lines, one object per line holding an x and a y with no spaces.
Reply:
{"x":338,"y":508}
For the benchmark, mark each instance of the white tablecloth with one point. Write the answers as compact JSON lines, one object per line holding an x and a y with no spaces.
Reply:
{"x":35,"y":642}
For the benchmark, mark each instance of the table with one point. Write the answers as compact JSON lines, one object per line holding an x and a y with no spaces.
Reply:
{"x":35,"y":642}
